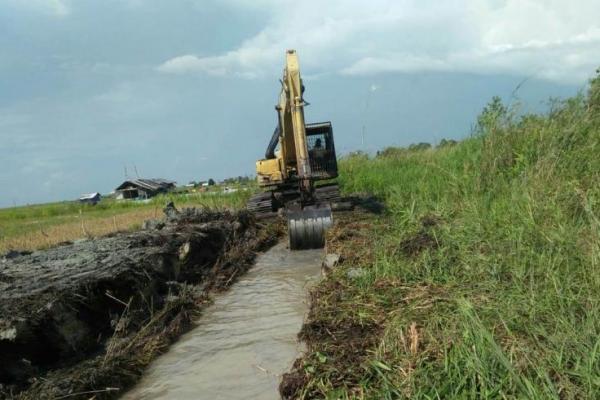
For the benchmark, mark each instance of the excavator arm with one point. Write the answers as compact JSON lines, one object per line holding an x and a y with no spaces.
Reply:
{"x":295,"y":106}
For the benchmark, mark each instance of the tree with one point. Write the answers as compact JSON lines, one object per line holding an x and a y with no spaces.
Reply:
{"x":492,"y":116}
{"x":446,"y":143}
{"x":419,"y":146}
{"x":211,"y":182}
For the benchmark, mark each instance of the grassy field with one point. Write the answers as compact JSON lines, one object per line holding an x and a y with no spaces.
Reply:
{"x":44,"y":225}
{"x":482,"y":280}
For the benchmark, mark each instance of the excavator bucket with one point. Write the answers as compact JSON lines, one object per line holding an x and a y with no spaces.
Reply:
{"x":307,"y":227}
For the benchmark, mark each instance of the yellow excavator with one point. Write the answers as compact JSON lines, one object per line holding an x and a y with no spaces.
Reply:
{"x":298,"y":156}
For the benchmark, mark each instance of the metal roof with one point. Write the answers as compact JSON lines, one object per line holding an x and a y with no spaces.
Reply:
{"x":148,"y":184}
{"x":325,"y":124}
{"x":89,"y":196}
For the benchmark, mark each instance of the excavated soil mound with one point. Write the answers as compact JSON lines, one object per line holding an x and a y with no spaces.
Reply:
{"x":83,"y":319}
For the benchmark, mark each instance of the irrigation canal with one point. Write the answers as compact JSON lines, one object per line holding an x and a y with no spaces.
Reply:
{"x":245,"y":340}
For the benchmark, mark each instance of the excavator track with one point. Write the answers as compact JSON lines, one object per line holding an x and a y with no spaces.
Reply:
{"x":261,"y":205}
{"x":266,"y":204}
{"x":328,"y":194}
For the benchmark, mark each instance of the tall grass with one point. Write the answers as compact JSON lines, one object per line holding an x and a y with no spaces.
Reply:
{"x":508,"y":281}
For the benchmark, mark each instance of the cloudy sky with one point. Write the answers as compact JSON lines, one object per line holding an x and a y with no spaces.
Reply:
{"x":185,"y":89}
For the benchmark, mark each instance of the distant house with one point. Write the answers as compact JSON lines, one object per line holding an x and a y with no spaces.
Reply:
{"x":90,"y":198}
{"x":143,"y":188}
{"x":229,"y":190}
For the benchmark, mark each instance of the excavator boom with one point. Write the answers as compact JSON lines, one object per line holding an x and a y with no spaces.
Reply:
{"x":294,"y":88}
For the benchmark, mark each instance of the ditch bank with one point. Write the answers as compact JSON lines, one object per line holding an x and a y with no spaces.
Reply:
{"x":84,"y":319}
{"x":338,"y":339}
{"x":349,"y":330}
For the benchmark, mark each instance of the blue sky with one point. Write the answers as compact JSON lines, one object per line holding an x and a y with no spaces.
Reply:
{"x":185,"y":89}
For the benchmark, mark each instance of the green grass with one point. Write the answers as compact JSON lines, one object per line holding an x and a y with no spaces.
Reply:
{"x":505,"y":291}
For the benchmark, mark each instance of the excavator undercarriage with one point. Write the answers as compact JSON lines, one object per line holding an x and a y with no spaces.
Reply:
{"x":268,"y":204}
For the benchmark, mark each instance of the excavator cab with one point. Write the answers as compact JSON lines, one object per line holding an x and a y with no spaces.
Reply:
{"x":321,"y":151}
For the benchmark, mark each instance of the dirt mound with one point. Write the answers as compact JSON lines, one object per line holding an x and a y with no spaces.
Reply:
{"x":87,"y":317}
{"x":421,"y":240}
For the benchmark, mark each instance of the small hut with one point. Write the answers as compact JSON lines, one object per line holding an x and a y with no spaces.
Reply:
{"x":90,"y":198}
{"x":143,"y":188}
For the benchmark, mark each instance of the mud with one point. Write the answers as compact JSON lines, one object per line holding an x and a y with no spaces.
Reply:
{"x":83,"y":319}
{"x":421,"y":240}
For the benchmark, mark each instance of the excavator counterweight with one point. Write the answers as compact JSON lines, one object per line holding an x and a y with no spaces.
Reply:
{"x":298,"y":156}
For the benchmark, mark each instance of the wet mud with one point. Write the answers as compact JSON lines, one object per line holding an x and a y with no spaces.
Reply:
{"x":84,"y":319}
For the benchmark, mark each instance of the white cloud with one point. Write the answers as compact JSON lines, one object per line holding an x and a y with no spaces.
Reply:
{"x":545,"y":38}
{"x":121,"y":93}
{"x":57,"y":8}
{"x":191,"y":63}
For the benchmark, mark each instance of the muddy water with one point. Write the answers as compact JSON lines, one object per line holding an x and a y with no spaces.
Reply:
{"x":245,"y":340}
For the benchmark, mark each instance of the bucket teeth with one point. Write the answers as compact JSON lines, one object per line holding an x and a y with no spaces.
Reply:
{"x":307,"y":227}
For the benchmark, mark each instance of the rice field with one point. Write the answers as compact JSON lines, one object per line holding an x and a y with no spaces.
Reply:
{"x":41,"y":226}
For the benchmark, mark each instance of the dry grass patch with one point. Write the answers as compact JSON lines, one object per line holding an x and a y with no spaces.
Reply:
{"x":83,"y":227}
